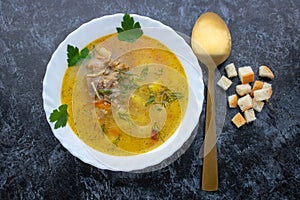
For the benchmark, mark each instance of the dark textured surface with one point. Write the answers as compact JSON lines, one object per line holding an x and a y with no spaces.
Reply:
{"x":259,"y":161}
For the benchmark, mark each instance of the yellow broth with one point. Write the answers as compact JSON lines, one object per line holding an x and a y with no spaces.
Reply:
{"x":113,"y":140}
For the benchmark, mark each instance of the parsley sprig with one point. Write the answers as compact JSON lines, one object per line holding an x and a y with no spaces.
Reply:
{"x":59,"y":116}
{"x":74,"y":55}
{"x":130,"y":30}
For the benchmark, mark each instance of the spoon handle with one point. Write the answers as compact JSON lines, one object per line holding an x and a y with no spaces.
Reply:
{"x":210,"y":164}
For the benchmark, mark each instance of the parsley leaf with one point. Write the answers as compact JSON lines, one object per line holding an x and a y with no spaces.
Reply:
{"x":59,"y":116}
{"x":74,"y":56}
{"x":84,"y":53}
{"x":130,"y":31}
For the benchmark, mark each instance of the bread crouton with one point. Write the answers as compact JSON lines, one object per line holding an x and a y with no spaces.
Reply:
{"x":238,"y":120}
{"x":230,"y":70}
{"x":265,"y":71}
{"x":243,"y":89}
{"x":263,"y":94}
{"x":256,"y":86}
{"x":257,"y":105}
{"x":232,"y":101}
{"x":245,"y":103}
{"x":246,"y":74}
{"x":267,"y":85}
{"x":224,"y":83}
{"x":249,"y":115}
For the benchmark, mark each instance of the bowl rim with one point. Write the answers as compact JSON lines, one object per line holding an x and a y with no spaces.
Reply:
{"x":72,"y":143}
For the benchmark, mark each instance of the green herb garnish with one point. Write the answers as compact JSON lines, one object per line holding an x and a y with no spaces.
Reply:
{"x":74,"y":56}
{"x":117,"y":140}
{"x":169,"y":97}
{"x":59,"y":116}
{"x":159,"y":109}
{"x":164,"y":97}
{"x":155,"y":132}
{"x":130,"y":31}
{"x":103,"y":128}
{"x":126,"y":82}
{"x":150,"y":100}
{"x":144,"y":74}
{"x":126,"y":117}
{"x":159,"y":73}
{"x":105,"y":92}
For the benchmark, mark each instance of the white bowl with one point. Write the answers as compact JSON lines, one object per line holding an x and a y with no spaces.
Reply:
{"x":87,"y":33}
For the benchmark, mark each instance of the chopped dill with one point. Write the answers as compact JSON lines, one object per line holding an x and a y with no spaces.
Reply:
{"x":117,"y":140}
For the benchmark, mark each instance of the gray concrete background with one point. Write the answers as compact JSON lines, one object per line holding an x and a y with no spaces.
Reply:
{"x":258,"y":161}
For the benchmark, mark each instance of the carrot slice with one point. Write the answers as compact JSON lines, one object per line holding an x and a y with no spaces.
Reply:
{"x":102,"y":104}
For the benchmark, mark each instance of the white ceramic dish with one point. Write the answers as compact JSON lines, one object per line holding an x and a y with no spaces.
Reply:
{"x":86,"y":34}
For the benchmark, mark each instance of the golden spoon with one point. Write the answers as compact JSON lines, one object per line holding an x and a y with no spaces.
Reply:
{"x":211,"y":43}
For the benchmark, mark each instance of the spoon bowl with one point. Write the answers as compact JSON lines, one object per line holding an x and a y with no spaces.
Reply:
{"x":211,"y":38}
{"x":211,"y":42}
